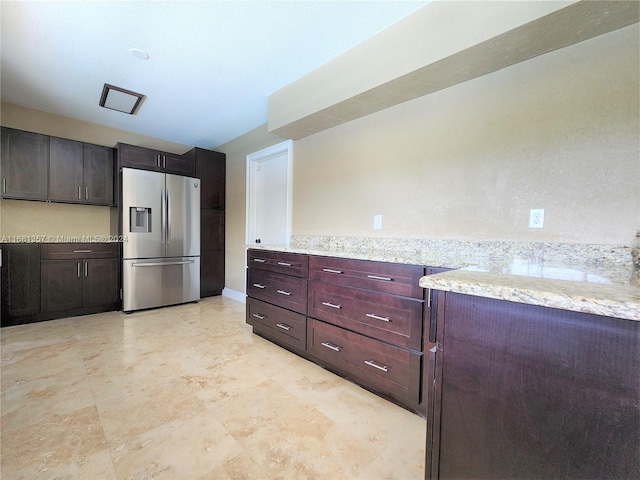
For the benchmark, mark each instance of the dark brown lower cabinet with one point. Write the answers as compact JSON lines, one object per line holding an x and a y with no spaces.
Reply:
{"x":48,"y":281}
{"x":522,"y":391}
{"x":211,"y":252}
{"x":20,"y":282}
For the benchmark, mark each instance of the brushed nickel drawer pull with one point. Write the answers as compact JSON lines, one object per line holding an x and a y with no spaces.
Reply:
{"x":282,"y":292}
{"x":257,"y":285}
{"x":261,"y":260}
{"x":332,"y":305}
{"x":283,"y":326}
{"x":373,"y":315}
{"x":78,"y":269}
{"x":284,"y":264}
{"x":373,"y":364}
{"x":331,"y":270}
{"x":82,"y":251}
{"x":258,"y":316}
{"x":376,"y":277}
{"x":331,"y":346}
{"x":4,"y":184}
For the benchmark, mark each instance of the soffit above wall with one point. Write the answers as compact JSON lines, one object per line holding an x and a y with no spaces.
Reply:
{"x":567,"y":25}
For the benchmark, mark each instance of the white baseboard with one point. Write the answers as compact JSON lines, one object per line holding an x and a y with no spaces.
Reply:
{"x":234,"y":295}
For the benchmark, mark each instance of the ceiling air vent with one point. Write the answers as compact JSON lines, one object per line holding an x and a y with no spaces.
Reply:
{"x":116,"y":98}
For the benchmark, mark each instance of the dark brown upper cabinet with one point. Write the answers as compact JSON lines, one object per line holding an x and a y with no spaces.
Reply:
{"x":147,"y":159}
{"x":80,"y":172}
{"x":211,"y":169}
{"x":24,"y":166}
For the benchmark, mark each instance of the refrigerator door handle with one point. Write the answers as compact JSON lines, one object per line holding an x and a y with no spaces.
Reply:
{"x":162,"y":264}
{"x":168,"y":216}
{"x":163,"y":216}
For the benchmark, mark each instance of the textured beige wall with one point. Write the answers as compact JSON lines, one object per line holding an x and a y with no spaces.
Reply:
{"x":23,"y":218}
{"x":236,"y":203}
{"x":558,"y":132}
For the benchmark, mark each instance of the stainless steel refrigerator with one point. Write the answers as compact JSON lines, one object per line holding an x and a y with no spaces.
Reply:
{"x":160,"y":215}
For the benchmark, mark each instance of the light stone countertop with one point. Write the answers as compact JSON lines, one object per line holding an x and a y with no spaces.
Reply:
{"x":597,"y":285}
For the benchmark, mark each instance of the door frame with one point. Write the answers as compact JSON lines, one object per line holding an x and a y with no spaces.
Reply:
{"x":253,"y":160}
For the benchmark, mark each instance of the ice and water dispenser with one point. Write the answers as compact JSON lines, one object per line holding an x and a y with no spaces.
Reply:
{"x":139,"y":220}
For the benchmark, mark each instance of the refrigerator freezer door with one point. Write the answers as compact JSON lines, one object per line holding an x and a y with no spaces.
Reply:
{"x":156,"y":282}
{"x":183,"y":216}
{"x":142,"y":213}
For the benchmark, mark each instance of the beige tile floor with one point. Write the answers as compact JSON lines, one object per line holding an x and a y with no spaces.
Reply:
{"x":188,"y":392}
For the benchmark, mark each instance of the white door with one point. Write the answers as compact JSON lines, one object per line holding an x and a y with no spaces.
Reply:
{"x":269,"y":195}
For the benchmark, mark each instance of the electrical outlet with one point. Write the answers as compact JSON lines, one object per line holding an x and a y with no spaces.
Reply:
{"x":377,"y":222}
{"x":536,"y":218}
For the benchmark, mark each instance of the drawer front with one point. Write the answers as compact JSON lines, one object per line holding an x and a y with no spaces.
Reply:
{"x":282,"y":290}
{"x":71,"y":251}
{"x":389,"y":318}
{"x":286,"y":326}
{"x":389,"y":369}
{"x":393,"y":278}
{"x":286,"y":263}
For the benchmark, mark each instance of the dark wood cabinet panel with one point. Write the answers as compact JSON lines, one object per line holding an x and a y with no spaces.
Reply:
{"x":20,"y":282}
{"x":24,"y":164}
{"x":178,"y":164}
{"x":98,"y":174}
{"x":138,"y":157}
{"x":65,"y":170}
{"x":282,"y":290}
{"x":284,"y":325}
{"x":61,"y":284}
{"x":212,"y":230}
{"x":295,"y":264}
{"x":133,"y":156}
{"x":390,"y":370}
{"x":211,"y":169}
{"x":211,"y":273}
{"x":383,"y":277}
{"x":100,"y":282}
{"x":393,"y":319}
{"x":523,"y":391}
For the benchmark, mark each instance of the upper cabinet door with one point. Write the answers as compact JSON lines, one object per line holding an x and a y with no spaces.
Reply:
{"x":24,"y":164}
{"x":65,"y":170}
{"x":178,"y":164}
{"x":146,"y":159}
{"x":98,"y":174}
{"x":139,"y":157}
{"x":211,"y":169}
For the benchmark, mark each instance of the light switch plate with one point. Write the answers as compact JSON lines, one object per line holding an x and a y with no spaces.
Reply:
{"x":377,"y":222}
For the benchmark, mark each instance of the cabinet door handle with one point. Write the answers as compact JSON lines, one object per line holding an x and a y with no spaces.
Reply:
{"x":78,"y":269}
{"x":282,"y":292}
{"x":164,"y":161}
{"x":259,"y":260}
{"x":332,"y":305}
{"x":284,"y":264}
{"x":158,"y":160}
{"x":86,"y":269}
{"x":331,"y":346}
{"x":331,"y":270}
{"x":373,"y":364}
{"x":376,"y":277}
{"x":86,"y":193}
{"x":257,"y":285}
{"x":283,"y":326}
{"x":4,"y":184}
{"x":79,"y":192}
{"x":258,"y":316}
{"x":373,"y":315}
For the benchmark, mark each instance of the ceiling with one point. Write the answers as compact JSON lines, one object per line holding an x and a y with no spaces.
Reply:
{"x":212,"y":64}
